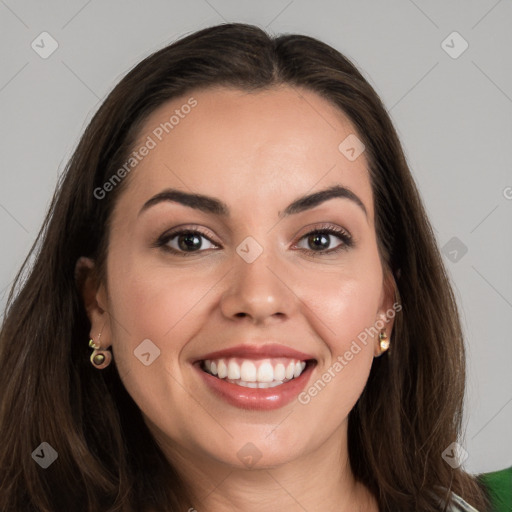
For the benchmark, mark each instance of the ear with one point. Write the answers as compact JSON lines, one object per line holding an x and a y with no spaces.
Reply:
{"x":94,"y":296}
{"x":386,"y":313}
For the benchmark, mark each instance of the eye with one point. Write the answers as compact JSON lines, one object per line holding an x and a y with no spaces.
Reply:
{"x":184,"y":242}
{"x":187,"y":241}
{"x":322,"y":237}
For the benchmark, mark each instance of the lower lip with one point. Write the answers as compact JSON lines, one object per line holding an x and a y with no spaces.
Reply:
{"x":265,"y":399}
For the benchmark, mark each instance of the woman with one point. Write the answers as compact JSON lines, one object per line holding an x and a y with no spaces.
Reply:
{"x":240,"y":242}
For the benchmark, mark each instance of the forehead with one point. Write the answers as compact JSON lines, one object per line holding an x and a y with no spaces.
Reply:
{"x":250,"y":148}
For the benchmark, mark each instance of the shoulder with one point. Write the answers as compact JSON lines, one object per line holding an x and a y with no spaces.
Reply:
{"x":499,"y":487}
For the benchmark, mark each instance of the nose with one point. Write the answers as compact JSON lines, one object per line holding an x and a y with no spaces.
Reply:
{"x":258,"y":291}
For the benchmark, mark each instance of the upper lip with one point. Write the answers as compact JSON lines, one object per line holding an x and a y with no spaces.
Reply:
{"x":249,"y":351}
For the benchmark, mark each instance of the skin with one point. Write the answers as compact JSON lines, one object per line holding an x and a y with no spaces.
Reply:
{"x":257,"y":152}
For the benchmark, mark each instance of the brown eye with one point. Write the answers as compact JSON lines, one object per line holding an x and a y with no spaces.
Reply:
{"x":185,"y":242}
{"x":188,"y":241}
{"x":319,"y":240}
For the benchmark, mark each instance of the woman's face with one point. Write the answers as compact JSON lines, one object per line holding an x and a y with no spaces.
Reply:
{"x":253,"y":283}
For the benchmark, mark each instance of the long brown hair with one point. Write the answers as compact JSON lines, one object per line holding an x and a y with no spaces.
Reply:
{"x":411,"y":408}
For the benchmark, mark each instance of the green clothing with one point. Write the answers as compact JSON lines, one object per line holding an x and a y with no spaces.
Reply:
{"x":499,"y":487}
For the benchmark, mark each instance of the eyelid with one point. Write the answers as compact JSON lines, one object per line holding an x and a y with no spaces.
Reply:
{"x":319,"y":226}
{"x":176,"y":230}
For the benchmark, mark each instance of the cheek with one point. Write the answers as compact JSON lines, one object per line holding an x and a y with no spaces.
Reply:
{"x":149,"y":298}
{"x":153,"y":316}
{"x":345,"y":315}
{"x":344,"y":307}
{"x":154,"y":302}
{"x":345,"y":301}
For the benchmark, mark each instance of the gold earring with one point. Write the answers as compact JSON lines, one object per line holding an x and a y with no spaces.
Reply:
{"x":99,"y":358}
{"x":383,"y":342}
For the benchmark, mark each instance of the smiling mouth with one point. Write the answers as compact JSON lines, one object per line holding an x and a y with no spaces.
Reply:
{"x":255,"y":373}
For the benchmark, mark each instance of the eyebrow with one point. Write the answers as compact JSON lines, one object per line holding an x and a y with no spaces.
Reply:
{"x":214,"y":206}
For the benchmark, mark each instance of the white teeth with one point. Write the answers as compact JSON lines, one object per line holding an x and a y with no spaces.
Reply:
{"x":279,"y":372}
{"x":270,"y":384}
{"x":290,"y":370}
{"x":233,"y":370}
{"x":252,"y":373}
{"x":222,"y":369}
{"x":248,"y":371}
{"x":255,"y":384}
{"x":265,"y":372}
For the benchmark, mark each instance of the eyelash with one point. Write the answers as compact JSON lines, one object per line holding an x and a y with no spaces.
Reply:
{"x":344,"y":236}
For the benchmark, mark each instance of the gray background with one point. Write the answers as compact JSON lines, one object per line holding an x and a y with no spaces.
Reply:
{"x":454,"y":116}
